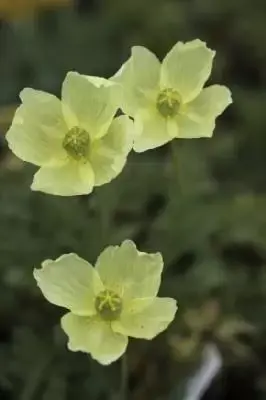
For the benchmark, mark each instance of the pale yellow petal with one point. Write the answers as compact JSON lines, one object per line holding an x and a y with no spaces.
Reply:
{"x":92,"y":104}
{"x":99,"y":81}
{"x":69,"y":282}
{"x":186,"y":68}
{"x":37,"y":129}
{"x":77,"y":328}
{"x":94,"y":336}
{"x":115,"y":87}
{"x":190,"y":129}
{"x":210,"y":103}
{"x":45,"y":110}
{"x":139,"y":78}
{"x":130,"y":273}
{"x":146,"y":68}
{"x":109,"y":154}
{"x":148,"y":323}
{"x":151,"y":131}
{"x":71,"y":179}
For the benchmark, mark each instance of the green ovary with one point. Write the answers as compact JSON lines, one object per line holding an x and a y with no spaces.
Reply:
{"x":168,"y":103}
{"x":108,"y":305}
{"x":77,"y":144}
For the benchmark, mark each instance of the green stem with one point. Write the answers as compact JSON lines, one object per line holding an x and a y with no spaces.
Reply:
{"x":124,"y":378}
{"x":175,"y":162}
{"x":35,"y":378}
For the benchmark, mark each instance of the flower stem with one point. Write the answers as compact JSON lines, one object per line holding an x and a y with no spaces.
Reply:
{"x":124,"y":378}
{"x":175,"y":163}
{"x":36,"y":378}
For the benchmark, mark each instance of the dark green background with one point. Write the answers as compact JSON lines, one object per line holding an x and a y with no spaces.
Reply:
{"x":201,"y":203}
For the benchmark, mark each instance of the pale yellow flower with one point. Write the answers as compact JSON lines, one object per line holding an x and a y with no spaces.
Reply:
{"x":110,"y":302}
{"x":76,"y":142}
{"x":167,"y":99}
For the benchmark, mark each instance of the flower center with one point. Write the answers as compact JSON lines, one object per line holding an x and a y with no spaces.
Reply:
{"x":108,"y":305}
{"x":77,"y":143}
{"x":168,"y":103}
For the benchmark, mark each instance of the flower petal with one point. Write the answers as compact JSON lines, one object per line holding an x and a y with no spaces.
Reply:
{"x":210,"y":103}
{"x":70,"y":179}
{"x":45,"y":109}
{"x":153,"y":131}
{"x":186,"y":68}
{"x":149,"y":322}
{"x":190,"y":129}
{"x":108,"y":155}
{"x":92,"y":104}
{"x":77,"y":329}
{"x":99,"y":81}
{"x":94,"y":336}
{"x":139,"y":78}
{"x":115,"y":88}
{"x":37,"y":129}
{"x":130,"y":273}
{"x":69,"y":282}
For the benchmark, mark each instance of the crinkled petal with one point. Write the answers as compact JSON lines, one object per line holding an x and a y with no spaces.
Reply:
{"x":108,"y":154}
{"x":92,"y":104}
{"x":190,"y":129}
{"x":94,"y":336}
{"x":46,"y":110}
{"x":30,"y":144}
{"x":139,"y":78}
{"x":99,"y":81}
{"x":77,"y":329}
{"x":149,"y":322}
{"x":71,"y":179}
{"x":130,"y":273}
{"x":69,"y":282}
{"x":146,"y":68}
{"x":210,"y":103}
{"x":115,"y":87}
{"x":186,"y":68}
{"x":153,"y":131}
{"x":38,"y":129}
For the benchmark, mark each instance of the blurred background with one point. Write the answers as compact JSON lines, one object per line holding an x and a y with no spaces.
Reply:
{"x":203,"y":207}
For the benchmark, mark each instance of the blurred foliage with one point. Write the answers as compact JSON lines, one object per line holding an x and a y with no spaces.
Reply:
{"x":201,"y":203}
{"x":17,"y":8}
